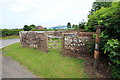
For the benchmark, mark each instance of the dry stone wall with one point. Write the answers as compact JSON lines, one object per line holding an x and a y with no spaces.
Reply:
{"x":74,"y":44}
{"x":59,"y":33}
{"x":54,"y":39}
{"x":34,"y":39}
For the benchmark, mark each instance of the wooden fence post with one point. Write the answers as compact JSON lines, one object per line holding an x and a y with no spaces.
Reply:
{"x":45,"y":42}
{"x":97,"y":45}
{"x":62,"y":47}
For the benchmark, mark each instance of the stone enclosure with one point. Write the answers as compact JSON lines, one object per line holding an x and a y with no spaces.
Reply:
{"x":70,"y":43}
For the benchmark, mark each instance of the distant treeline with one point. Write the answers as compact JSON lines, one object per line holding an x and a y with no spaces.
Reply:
{"x":59,"y":30}
{"x":9,"y":32}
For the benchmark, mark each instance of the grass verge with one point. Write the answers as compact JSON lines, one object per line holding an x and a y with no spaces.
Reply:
{"x":10,"y":37}
{"x":46,"y":65}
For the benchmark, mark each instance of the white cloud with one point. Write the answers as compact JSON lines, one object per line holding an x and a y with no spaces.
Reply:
{"x":18,"y":6}
{"x":46,"y":12}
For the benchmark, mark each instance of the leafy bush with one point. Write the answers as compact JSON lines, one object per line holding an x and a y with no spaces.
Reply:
{"x":9,"y":32}
{"x":113,"y":47}
{"x":109,"y":18}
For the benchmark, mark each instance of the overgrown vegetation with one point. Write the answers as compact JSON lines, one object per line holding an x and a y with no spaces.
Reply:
{"x":47,"y":65}
{"x":9,"y":32}
{"x":109,"y":18}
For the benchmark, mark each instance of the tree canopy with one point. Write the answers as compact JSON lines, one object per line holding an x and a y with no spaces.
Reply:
{"x":98,"y":5}
{"x":68,"y":25}
{"x":27,"y":28}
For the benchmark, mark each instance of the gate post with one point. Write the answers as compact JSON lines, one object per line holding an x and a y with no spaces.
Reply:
{"x":45,"y":42}
{"x":63,"y":44}
{"x":97,"y":45}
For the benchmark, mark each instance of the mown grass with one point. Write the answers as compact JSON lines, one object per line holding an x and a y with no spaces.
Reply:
{"x":46,"y":65}
{"x":56,"y":43}
{"x":10,"y":37}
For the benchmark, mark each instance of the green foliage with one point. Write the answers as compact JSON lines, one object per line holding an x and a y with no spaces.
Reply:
{"x":116,"y":71}
{"x":76,"y":27}
{"x":32,"y":26}
{"x":90,"y":47}
{"x":68,"y":25}
{"x":9,"y":32}
{"x":109,"y":18}
{"x":94,"y":35}
{"x":82,"y":24}
{"x":27,"y":28}
{"x":113,"y":47}
{"x":97,"y":5}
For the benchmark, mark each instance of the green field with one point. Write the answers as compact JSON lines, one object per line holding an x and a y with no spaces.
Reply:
{"x":46,"y":65}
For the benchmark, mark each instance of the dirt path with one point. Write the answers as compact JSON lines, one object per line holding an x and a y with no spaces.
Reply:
{"x":11,"y":68}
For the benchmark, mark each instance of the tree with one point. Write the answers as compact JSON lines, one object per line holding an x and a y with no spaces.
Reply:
{"x":27,"y":28}
{"x":98,"y":5}
{"x":45,"y":28}
{"x":68,"y":25}
{"x":73,"y":26}
{"x":109,"y":18}
{"x":82,"y":24}
{"x":32,"y":26}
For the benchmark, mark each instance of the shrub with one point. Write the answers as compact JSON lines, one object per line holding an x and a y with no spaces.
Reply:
{"x":113,"y":47}
{"x":109,"y":18}
{"x":9,"y":32}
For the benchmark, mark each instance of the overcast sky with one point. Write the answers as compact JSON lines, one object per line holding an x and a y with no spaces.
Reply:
{"x":48,"y":13}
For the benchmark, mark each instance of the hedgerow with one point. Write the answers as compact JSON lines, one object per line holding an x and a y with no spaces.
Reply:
{"x":9,"y":32}
{"x":109,"y":18}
